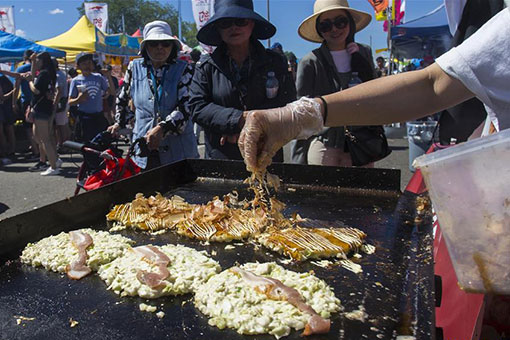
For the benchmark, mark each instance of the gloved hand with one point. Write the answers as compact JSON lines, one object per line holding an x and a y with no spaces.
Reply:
{"x":352,"y":48}
{"x":266,"y":131}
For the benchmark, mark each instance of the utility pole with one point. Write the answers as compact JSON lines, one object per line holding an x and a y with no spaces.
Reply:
{"x":180,"y":21}
{"x":268,"y":19}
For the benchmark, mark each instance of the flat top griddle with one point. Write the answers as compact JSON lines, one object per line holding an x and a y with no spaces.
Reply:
{"x":395,"y":288}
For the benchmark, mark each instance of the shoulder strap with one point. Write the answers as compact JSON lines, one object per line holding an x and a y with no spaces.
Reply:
{"x":330,"y":73}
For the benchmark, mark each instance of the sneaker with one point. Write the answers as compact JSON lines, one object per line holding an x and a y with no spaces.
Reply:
{"x":59,"y":163}
{"x":6,"y":161}
{"x":39,"y":166}
{"x":50,"y":172}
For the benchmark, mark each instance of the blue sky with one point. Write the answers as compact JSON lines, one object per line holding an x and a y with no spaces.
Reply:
{"x":42,"y":19}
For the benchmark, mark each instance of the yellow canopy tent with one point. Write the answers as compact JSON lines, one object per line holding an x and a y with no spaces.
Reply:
{"x":79,"y":38}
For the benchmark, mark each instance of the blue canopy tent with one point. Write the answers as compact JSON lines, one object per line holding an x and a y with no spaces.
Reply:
{"x":12,"y":48}
{"x":428,"y":35}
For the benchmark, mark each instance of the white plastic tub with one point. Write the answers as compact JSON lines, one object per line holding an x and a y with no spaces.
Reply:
{"x":469,"y":185}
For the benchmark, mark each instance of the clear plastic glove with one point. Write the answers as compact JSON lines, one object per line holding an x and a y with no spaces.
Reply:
{"x":266,"y":131}
{"x":352,"y":48}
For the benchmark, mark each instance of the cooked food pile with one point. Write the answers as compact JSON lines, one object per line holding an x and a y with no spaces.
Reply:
{"x":254,"y":298}
{"x":76,"y":253}
{"x":224,"y":220}
{"x":153,"y":271}
{"x":150,"y":214}
{"x":259,"y":298}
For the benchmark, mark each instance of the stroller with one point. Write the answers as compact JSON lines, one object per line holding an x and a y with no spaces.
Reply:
{"x":103,"y":163}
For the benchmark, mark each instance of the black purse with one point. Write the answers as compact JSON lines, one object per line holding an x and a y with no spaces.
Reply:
{"x":366,"y":144}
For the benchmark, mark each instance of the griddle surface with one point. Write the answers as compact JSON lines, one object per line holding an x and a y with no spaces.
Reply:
{"x":393,"y":288}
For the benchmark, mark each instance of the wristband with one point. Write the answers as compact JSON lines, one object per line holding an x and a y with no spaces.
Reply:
{"x":325,"y":105}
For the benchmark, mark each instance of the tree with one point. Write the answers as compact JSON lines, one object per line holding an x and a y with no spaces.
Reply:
{"x":139,"y":12}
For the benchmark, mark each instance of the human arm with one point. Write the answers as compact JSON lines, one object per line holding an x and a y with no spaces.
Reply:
{"x":32,"y":79}
{"x":123,"y":102}
{"x":398,"y":98}
{"x":76,"y":97}
{"x":14,"y":75}
{"x":110,"y":90}
{"x":385,"y":100}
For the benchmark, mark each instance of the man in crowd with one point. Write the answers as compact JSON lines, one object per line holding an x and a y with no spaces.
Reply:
{"x":86,"y":93}
{"x":381,"y":69}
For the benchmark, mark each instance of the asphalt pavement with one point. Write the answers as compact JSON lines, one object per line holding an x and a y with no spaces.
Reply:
{"x":22,"y":190}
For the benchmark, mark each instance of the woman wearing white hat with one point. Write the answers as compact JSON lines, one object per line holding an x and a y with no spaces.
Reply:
{"x":335,"y":65}
{"x":158,"y":84}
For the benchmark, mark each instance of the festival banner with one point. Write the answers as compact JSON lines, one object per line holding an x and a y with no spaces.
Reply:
{"x":397,"y":14}
{"x":97,"y":13}
{"x":379,"y":5}
{"x":7,"y":20}
{"x":203,"y":10}
{"x":381,"y":16}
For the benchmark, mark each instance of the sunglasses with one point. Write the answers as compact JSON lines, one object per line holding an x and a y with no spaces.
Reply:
{"x":227,"y":23}
{"x":162,"y":43}
{"x":327,"y":25}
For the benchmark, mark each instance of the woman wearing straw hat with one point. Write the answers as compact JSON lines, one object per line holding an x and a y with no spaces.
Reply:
{"x":158,"y":84}
{"x":234,"y":78}
{"x":334,"y":66}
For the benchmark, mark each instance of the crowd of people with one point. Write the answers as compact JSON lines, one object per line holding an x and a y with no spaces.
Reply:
{"x":169,"y":101}
{"x":163,"y":96}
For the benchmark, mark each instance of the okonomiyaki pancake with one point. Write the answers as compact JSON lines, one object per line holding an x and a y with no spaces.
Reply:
{"x":265,"y":298}
{"x":315,"y":243}
{"x":151,"y":214}
{"x":154,"y":271}
{"x":57,"y":253}
{"x":216,"y":221}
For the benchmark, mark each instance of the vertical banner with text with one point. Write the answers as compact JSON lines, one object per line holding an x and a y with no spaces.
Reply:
{"x":97,"y":13}
{"x":203,"y":10}
{"x":7,"y":20}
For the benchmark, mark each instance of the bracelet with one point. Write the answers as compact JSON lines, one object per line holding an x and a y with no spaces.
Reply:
{"x":325,"y":105}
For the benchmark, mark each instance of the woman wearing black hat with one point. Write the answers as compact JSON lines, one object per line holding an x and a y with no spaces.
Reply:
{"x":240,"y":75}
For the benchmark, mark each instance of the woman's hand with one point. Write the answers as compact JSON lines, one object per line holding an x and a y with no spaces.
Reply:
{"x":352,"y":48}
{"x":232,"y":139}
{"x":154,"y":137}
{"x":82,"y":97}
{"x":266,"y":131}
{"x":113,"y":129}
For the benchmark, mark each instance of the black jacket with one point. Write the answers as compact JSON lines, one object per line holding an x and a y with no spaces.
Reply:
{"x":317,"y":76}
{"x":216,"y":100}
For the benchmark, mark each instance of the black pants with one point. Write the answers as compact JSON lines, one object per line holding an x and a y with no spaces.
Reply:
{"x":90,"y":124}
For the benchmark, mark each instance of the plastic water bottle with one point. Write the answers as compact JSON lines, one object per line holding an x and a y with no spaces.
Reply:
{"x":272,"y":85}
{"x":355,"y":80}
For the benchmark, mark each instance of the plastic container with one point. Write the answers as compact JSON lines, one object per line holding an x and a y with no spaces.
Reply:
{"x":469,"y":185}
{"x":420,"y":136}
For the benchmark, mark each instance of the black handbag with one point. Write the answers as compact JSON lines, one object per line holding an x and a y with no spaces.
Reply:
{"x":366,"y":144}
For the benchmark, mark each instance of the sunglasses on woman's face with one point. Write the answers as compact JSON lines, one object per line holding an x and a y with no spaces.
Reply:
{"x":327,"y":25}
{"x":162,"y":43}
{"x":227,"y":23}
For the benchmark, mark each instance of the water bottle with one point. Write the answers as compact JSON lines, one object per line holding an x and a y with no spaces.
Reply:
{"x":272,"y":85}
{"x":355,"y":80}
